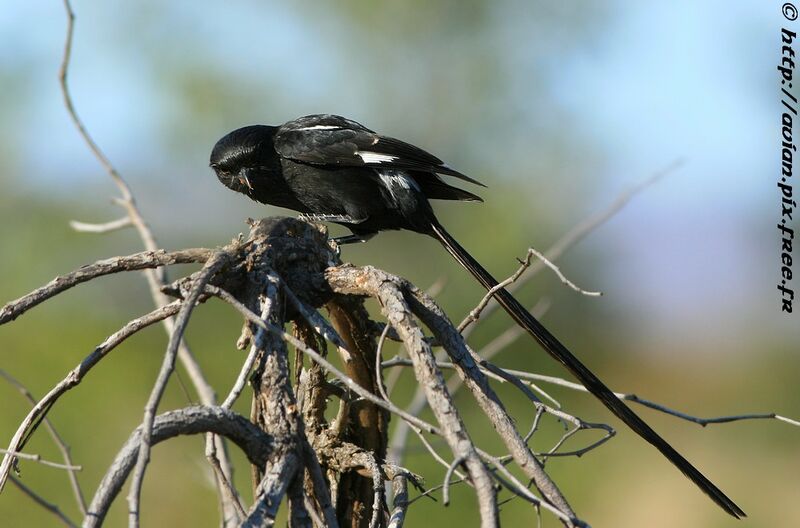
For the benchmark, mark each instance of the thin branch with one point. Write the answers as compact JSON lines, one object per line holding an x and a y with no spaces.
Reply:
{"x":155,"y":278}
{"x":254,"y":442}
{"x":377,"y":490}
{"x":511,"y":377}
{"x":653,"y":405}
{"x":400,"y":435}
{"x":315,"y":319}
{"x":230,"y":495}
{"x":398,"y":314}
{"x":386,"y":287}
{"x":214,"y":263}
{"x":524,"y":265}
{"x":428,"y":493}
{"x":320,"y":487}
{"x":247,"y":366}
{"x":40,"y":460}
{"x":76,"y":375}
{"x":435,"y":454}
{"x":107,"y":227}
{"x":62,"y":446}
{"x":560,"y":274}
{"x":317,"y":358}
{"x":299,"y":512}
{"x":271,"y":490}
{"x":400,"y":505}
{"x":446,"y":483}
{"x":135,"y":262}
{"x":573,"y":236}
{"x":274,"y":409}
{"x":47,"y":505}
{"x":378,"y":362}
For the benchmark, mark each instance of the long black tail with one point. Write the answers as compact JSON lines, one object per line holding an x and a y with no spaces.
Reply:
{"x":554,"y":347}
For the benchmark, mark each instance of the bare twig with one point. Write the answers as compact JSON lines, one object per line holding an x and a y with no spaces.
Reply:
{"x":320,"y":488}
{"x":299,"y":512}
{"x":275,"y":410}
{"x":400,"y":435}
{"x":386,"y":287}
{"x":135,"y":262}
{"x":377,"y":487}
{"x":156,"y":278}
{"x":400,"y":489}
{"x":271,"y":490}
{"x":230,"y":495}
{"x":575,"y":235}
{"x":436,"y":456}
{"x":47,"y":505}
{"x":75,"y":376}
{"x":524,"y":264}
{"x":254,"y":442}
{"x":317,"y":358}
{"x":247,"y":366}
{"x":560,"y":274}
{"x":653,"y":405}
{"x":212,"y":265}
{"x":378,"y":362}
{"x":62,"y":446}
{"x":447,"y":476}
{"x":107,"y":227}
{"x":40,"y":460}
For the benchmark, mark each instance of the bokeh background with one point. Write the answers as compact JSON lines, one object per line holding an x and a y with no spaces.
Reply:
{"x":557,"y":107}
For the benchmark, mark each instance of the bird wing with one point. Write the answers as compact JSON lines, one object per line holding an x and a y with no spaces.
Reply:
{"x":325,"y":139}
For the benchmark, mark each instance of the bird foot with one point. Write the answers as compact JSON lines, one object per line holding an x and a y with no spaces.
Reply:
{"x":317,"y":217}
{"x":352,"y":239}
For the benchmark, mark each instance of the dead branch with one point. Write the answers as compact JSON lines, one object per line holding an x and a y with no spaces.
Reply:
{"x":135,"y":262}
{"x":47,"y":505}
{"x":528,"y":270}
{"x":62,"y":446}
{"x":253,"y":442}
{"x":213,"y":264}
{"x":390,"y":290}
{"x":157,"y":277}
{"x":74,"y":377}
{"x":283,"y":273}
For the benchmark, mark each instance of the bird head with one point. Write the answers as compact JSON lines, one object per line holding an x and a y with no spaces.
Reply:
{"x":239,"y":152}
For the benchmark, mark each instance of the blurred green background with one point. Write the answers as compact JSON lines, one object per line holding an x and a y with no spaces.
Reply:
{"x":558,"y":108}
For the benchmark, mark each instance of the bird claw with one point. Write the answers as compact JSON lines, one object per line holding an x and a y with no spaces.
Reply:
{"x":352,"y":239}
{"x":318,"y":217}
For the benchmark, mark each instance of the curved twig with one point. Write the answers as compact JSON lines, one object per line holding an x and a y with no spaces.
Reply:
{"x":135,"y":262}
{"x":157,"y":277}
{"x":62,"y":446}
{"x":254,"y":442}
{"x":212,"y":265}
{"x":75,"y":376}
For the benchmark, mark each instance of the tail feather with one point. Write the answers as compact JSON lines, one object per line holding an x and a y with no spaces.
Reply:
{"x":559,"y":352}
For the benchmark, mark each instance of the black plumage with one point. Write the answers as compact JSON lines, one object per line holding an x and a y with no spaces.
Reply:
{"x":333,"y":169}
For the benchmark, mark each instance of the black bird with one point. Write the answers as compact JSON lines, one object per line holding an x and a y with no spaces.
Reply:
{"x":333,"y":169}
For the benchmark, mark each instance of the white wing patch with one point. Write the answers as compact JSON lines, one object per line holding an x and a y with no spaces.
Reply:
{"x":375,"y":157}
{"x":394,"y":180}
{"x":321,"y":127}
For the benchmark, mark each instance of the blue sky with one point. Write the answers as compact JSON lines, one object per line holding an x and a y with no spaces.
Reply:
{"x":655,"y":82}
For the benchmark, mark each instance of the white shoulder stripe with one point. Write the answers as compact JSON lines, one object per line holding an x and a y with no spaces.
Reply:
{"x":375,"y":157}
{"x":321,"y":127}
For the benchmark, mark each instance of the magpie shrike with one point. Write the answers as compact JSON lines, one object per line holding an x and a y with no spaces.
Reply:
{"x":332,"y":169}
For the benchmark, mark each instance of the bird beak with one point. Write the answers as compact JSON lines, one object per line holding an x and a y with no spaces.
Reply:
{"x":244,"y":180}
